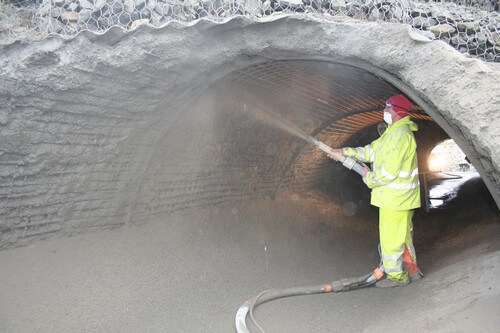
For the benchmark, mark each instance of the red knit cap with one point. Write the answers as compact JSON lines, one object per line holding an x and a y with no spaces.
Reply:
{"x":400,"y":104}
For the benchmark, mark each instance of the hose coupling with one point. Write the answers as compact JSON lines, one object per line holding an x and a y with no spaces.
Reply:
{"x":349,"y":163}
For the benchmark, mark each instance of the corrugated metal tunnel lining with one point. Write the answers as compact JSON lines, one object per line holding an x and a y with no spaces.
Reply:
{"x":242,"y":157}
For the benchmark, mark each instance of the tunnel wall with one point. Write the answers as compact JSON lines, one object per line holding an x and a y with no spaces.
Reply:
{"x":85,"y":123}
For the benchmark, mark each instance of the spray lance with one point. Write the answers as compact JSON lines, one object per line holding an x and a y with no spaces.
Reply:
{"x":276,"y":121}
{"x":346,"y":161}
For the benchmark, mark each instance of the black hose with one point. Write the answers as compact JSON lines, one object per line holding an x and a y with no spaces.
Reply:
{"x":335,"y":286}
{"x":273,"y":294}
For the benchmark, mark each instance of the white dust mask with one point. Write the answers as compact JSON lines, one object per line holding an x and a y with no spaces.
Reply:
{"x":387,"y":117}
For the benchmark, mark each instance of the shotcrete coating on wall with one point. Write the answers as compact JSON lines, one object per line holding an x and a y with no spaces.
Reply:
{"x":126,"y":127}
{"x":87,"y":122}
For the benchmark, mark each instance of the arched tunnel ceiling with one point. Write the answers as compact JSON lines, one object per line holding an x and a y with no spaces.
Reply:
{"x":242,"y":155}
{"x":112,"y":129}
{"x":329,"y":101}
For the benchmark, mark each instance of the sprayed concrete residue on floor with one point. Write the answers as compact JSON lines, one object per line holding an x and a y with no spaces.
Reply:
{"x":190,"y":272}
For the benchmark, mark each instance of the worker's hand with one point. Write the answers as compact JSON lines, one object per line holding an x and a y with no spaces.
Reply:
{"x":366,"y":170}
{"x":336,"y":154}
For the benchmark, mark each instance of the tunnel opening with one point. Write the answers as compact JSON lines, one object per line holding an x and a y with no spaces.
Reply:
{"x":449,"y":171}
{"x":229,"y":206}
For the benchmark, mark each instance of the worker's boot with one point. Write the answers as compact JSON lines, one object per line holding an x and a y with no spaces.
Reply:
{"x":414,"y":274}
{"x":388,"y":283}
{"x":409,"y":265}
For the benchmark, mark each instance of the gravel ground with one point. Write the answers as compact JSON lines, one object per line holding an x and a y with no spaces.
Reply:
{"x":190,"y":272}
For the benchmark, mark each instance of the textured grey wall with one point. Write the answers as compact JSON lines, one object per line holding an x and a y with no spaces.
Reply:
{"x":110,"y":130}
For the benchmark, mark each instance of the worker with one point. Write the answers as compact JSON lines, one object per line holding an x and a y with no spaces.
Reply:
{"x":395,"y":190}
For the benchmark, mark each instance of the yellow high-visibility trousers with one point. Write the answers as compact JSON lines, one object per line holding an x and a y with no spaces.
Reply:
{"x":395,"y":229}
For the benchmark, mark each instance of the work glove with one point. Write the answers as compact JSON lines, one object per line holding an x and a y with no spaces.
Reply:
{"x":366,"y":170}
{"x":336,"y":154}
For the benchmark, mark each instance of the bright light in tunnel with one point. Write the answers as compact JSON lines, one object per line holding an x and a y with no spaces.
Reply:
{"x":438,"y":162}
{"x":452,"y":170}
{"x":447,"y":156}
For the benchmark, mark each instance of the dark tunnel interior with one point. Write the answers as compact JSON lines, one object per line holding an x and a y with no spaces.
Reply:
{"x":232,"y":204}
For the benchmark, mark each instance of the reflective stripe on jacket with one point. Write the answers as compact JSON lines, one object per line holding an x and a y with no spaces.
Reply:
{"x":394,"y":178}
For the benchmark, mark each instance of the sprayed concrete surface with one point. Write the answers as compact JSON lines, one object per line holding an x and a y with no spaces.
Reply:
{"x":87,"y":125}
{"x":191,"y":271}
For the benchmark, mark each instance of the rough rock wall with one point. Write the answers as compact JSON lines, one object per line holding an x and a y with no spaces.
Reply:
{"x":83,"y":121}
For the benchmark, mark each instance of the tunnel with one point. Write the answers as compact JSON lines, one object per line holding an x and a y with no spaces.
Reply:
{"x":142,"y":190}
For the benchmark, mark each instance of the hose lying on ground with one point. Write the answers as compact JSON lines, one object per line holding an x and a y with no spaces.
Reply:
{"x":272,"y":294}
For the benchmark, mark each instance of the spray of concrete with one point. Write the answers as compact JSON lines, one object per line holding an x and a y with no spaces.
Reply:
{"x":281,"y":123}
{"x":275,"y":120}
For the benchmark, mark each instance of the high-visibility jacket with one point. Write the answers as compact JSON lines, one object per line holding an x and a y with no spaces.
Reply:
{"x":394,"y":176}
